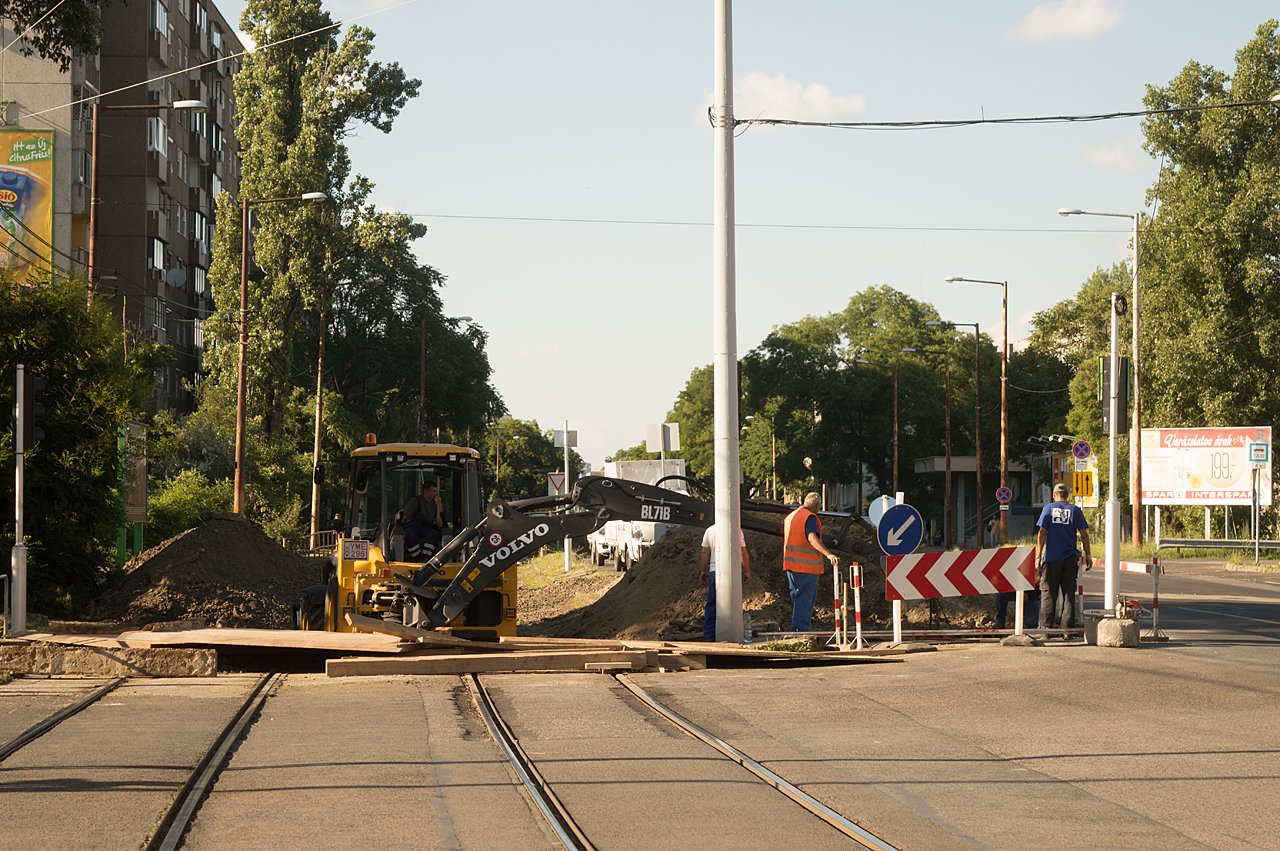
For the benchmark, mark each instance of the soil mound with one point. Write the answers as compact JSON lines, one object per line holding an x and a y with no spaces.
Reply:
{"x":227,"y":572}
{"x":662,"y":596}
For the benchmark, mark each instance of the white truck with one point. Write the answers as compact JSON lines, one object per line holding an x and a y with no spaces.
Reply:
{"x":624,"y":541}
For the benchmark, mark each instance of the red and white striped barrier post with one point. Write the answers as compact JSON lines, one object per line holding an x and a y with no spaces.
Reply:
{"x":856,"y":577}
{"x":837,"y":635}
{"x":1156,"y":570}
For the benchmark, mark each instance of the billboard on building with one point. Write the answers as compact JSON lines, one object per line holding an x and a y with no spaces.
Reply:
{"x":1203,"y":466}
{"x":26,"y":200}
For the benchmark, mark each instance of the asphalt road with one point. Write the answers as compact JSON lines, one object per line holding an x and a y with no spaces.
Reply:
{"x":1172,"y":745}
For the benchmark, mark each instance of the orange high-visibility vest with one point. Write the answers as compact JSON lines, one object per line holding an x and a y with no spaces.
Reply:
{"x":797,"y":553}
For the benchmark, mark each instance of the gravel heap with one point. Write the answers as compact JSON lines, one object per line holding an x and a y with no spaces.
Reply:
{"x":226,"y":572}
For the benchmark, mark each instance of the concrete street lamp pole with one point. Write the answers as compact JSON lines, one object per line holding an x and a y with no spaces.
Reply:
{"x":725,"y":355}
{"x":242,"y":370}
{"x":1135,"y":439}
{"x":1004,"y":393}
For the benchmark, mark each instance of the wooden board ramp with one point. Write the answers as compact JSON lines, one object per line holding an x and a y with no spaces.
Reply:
{"x":488,"y":663}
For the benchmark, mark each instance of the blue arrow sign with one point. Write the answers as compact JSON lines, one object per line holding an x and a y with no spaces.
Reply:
{"x":900,"y":531}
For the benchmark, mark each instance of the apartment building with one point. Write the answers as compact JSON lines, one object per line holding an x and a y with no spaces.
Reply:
{"x":159,"y":169}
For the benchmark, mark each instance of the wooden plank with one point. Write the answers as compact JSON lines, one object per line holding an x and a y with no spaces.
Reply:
{"x":477,"y":663}
{"x":290,"y":639}
{"x":608,"y":666}
{"x":533,"y":642}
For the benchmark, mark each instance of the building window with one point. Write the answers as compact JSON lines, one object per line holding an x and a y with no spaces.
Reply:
{"x":198,"y":279}
{"x":215,"y":187}
{"x":156,"y":261}
{"x":157,"y":136}
{"x":215,"y":37}
{"x":83,"y":168}
{"x":197,"y":334}
{"x":184,"y":7}
{"x":159,"y":17}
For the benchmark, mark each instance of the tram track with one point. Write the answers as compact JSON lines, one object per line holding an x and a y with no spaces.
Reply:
{"x":574,"y":838}
{"x":41,"y":727}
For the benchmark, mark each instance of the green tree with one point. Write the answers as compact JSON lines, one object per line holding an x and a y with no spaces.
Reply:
{"x":694,"y":410}
{"x":340,"y":269}
{"x":56,"y":33}
{"x":71,"y":503}
{"x":1210,"y":294}
{"x":517,"y":456}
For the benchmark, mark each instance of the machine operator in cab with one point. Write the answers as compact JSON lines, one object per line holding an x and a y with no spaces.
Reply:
{"x":423,"y":520}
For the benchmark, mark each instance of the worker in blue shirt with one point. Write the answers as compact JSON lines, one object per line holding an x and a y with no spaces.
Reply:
{"x":1059,"y":560}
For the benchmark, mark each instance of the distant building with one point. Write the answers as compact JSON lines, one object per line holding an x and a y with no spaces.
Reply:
{"x":159,"y":170}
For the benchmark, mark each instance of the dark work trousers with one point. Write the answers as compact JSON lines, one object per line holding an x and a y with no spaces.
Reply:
{"x":1058,"y":589}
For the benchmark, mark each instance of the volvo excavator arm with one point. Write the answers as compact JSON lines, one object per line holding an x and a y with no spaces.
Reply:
{"x":511,"y":531}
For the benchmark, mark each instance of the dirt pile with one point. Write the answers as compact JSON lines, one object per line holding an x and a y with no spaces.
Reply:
{"x":540,"y":600}
{"x":227,"y":572}
{"x":662,"y":596}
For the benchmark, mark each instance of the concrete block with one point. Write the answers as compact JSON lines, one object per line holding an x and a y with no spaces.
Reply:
{"x":1118,"y":632}
{"x":1023,"y":640}
{"x":59,"y":659}
{"x":1106,"y":630}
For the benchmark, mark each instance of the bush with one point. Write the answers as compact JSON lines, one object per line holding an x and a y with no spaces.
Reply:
{"x":186,"y":501}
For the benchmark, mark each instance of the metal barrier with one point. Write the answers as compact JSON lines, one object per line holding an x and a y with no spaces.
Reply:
{"x":840,"y":637}
{"x":8,"y":613}
{"x":1154,"y":569}
{"x":323,"y":542}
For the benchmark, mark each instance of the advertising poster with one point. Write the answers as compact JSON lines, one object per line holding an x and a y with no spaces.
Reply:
{"x":1203,"y":466}
{"x":26,"y":200}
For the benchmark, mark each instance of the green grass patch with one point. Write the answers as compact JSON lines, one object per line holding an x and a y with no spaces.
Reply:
{"x":545,"y":569}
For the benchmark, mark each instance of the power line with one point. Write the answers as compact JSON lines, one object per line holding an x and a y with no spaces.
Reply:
{"x":970,"y":122}
{"x":761,"y":224}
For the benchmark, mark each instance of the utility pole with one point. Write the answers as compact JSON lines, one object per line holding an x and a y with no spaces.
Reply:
{"x":728,"y":523}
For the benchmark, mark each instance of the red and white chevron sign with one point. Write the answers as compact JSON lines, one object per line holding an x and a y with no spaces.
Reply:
{"x":960,"y":574}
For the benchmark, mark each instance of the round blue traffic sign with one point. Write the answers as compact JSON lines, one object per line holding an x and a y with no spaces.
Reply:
{"x":1081,"y":449}
{"x":1003,"y":495}
{"x":900,"y":531}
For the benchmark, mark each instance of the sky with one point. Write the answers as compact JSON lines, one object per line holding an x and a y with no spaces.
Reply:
{"x":560,"y":154}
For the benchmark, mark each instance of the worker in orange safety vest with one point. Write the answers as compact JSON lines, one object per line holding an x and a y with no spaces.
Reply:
{"x":803,"y":559}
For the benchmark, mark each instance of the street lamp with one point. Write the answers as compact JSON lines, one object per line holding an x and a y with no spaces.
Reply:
{"x":1004,"y":392}
{"x":895,"y":416}
{"x":1135,"y":441}
{"x":242,"y":372}
{"x":977,"y":415}
{"x":94,"y":201}
{"x":947,"y":488}
{"x":422,"y":380}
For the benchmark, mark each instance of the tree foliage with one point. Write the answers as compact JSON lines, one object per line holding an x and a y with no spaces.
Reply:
{"x":72,"y":508}
{"x":340,"y":269}
{"x":517,"y":455}
{"x":55,"y":33}
{"x":1210,"y":256}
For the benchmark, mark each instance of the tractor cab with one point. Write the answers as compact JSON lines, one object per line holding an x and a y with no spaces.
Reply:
{"x":366,"y":574}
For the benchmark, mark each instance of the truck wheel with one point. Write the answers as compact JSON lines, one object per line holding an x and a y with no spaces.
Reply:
{"x":331,"y":605}
{"x":624,"y":560}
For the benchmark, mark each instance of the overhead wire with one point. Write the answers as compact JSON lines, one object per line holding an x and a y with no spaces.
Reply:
{"x":970,"y":122}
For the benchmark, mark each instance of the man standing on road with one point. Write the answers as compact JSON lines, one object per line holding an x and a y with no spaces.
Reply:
{"x":1059,"y":560}
{"x":709,"y":576}
{"x":802,"y":558}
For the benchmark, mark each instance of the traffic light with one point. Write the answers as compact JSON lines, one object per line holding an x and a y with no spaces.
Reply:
{"x":30,"y":410}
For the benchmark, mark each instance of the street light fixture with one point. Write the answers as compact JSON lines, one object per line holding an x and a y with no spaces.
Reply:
{"x":947,"y":488}
{"x":977,"y":417}
{"x":894,"y":367}
{"x":94,"y":201}
{"x":242,"y":371}
{"x":1135,"y":440}
{"x":1004,"y":391}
